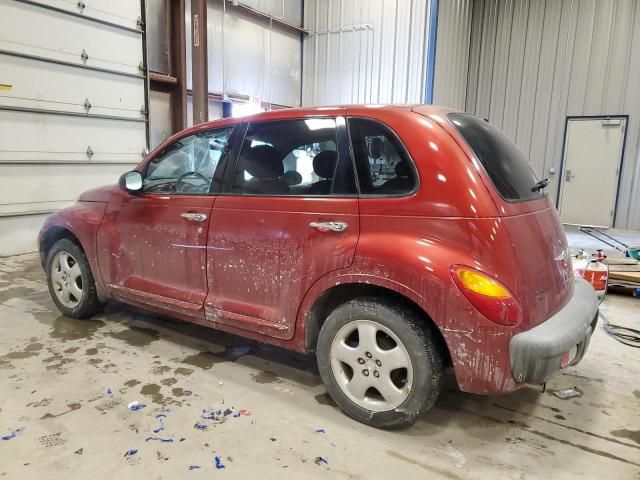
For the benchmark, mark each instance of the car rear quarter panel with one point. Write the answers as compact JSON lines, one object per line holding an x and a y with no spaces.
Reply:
{"x":409,"y":245}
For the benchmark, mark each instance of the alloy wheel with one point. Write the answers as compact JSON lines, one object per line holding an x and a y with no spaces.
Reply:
{"x":371,"y":365}
{"x":66,"y":278}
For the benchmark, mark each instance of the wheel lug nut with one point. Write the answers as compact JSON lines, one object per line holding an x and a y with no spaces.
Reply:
{"x":376,"y":373}
{"x":361,"y":361}
{"x":365,"y":372}
{"x":378,"y":363}
{"x":368,"y":354}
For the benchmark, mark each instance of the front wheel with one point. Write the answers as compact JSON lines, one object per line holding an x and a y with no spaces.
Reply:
{"x":379,"y":362}
{"x":70,"y":280}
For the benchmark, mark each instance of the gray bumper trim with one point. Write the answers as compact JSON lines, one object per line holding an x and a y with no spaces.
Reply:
{"x":536,"y":354}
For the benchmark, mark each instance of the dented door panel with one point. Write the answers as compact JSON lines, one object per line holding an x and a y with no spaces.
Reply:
{"x":147,"y":249}
{"x":264,"y":256}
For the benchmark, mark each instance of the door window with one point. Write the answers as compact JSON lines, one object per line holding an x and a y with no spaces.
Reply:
{"x":292,"y":157}
{"x":187,"y":166}
{"x":384,"y":167}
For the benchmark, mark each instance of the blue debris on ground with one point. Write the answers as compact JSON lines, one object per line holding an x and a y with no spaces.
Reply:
{"x":219,"y":463}
{"x":211,"y":414}
{"x":109,"y":392}
{"x":131,"y":452}
{"x":160,"y":428}
{"x":320,"y":430}
{"x":162,"y":440}
{"x":13,"y":434}
{"x":233,"y":353}
{"x":200,"y":426}
{"x":134,"y":406}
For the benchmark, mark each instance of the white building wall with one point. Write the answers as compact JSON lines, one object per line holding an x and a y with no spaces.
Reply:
{"x":365,"y":51}
{"x":68,"y":121}
{"x":250,"y":56}
{"x":528,"y":64}
{"x":452,"y":53}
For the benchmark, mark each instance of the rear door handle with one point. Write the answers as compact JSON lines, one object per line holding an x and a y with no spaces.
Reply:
{"x":194,"y":217}
{"x":329,"y":226}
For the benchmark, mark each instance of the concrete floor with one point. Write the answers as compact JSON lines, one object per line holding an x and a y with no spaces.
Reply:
{"x":55,"y":372}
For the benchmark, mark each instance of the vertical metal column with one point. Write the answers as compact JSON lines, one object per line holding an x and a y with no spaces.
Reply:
{"x":178,"y":64}
{"x":199,"y":66}
{"x":145,"y":71}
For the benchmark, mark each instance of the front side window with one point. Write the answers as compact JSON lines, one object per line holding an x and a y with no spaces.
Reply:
{"x":292,"y":157}
{"x":187,"y":166}
{"x":384,"y":167}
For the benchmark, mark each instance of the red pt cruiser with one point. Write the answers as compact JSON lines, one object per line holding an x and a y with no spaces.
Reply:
{"x":392,"y":241}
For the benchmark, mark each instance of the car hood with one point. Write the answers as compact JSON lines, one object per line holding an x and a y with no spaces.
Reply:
{"x":98,"y":194}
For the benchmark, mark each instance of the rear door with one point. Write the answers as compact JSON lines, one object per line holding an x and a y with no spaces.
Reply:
{"x":152,"y":246}
{"x":288,"y":217}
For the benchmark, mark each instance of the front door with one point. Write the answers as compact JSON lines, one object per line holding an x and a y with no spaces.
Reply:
{"x":289,"y":217}
{"x":591,"y":169}
{"x":152,"y":246}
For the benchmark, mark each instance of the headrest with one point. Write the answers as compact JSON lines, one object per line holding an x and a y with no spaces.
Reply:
{"x":292,"y":178}
{"x":263,"y":161}
{"x":376,"y":148}
{"x":402,"y":169}
{"x":324,"y":163}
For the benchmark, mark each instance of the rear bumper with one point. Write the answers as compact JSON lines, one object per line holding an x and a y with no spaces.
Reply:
{"x":536,"y":354}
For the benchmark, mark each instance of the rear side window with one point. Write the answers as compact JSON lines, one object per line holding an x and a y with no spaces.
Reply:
{"x":505,"y":164}
{"x":384,"y":167}
{"x":292,"y":157}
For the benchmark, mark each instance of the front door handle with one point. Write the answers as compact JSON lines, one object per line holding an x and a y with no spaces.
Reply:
{"x":329,"y":226}
{"x":194,"y":217}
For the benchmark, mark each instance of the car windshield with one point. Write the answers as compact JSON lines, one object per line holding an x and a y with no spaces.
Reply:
{"x":505,"y":164}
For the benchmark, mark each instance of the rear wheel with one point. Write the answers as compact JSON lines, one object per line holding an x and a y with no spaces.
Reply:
{"x":71,"y":283}
{"x":379,"y":362}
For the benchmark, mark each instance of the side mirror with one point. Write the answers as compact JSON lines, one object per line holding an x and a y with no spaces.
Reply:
{"x":131,"y":181}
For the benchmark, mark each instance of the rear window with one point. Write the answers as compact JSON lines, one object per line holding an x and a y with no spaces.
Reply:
{"x":507,"y":166}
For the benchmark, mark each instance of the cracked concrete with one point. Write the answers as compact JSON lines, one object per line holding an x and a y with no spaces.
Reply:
{"x":56,"y":374}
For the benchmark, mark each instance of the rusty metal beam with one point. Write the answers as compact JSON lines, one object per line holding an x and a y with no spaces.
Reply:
{"x":178,"y":64}
{"x":199,"y":61}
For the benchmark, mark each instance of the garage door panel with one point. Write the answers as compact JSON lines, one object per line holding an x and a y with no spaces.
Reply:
{"x":25,"y":190}
{"x":119,"y":12}
{"x":22,"y":27}
{"x":41,"y":138}
{"x":36,"y":84}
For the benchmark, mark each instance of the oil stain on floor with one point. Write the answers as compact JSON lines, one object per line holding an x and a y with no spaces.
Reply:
{"x":65,"y":328}
{"x":137,"y":336}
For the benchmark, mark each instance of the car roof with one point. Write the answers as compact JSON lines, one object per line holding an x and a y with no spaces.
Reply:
{"x":327,"y":110}
{"x":434,"y":111}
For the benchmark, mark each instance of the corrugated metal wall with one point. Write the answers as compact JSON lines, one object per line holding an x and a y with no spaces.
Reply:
{"x":452,"y":53}
{"x":365,"y":51}
{"x":534,"y":62}
{"x":248,"y":56}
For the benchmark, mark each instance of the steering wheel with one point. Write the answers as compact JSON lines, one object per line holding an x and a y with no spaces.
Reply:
{"x":193,"y":188}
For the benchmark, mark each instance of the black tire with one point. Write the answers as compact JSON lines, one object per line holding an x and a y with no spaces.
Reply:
{"x":419,"y":343}
{"x":89,"y":303}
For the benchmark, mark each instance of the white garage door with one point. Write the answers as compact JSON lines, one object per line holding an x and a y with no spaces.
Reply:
{"x":72,"y":106}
